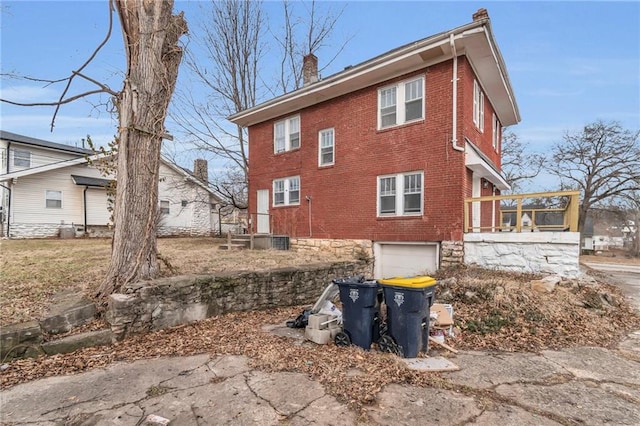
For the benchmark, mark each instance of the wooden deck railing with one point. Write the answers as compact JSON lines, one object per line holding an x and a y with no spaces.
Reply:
{"x":569,"y":201}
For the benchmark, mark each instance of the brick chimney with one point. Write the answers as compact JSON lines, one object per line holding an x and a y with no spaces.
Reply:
{"x":480,"y":15}
{"x":309,"y":69}
{"x":201,"y":170}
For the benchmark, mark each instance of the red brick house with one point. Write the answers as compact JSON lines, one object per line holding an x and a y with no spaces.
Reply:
{"x":387,"y":150}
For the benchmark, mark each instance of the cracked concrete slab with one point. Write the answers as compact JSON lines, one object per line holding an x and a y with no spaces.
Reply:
{"x":287,"y":393}
{"x":226,"y":403}
{"x":411,"y":405}
{"x":486,"y":370}
{"x":93,"y":391}
{"x":596,"y":364}
{"x":324,"y":411}
{"x":630,"y":346}
{"x":578,"y":402}
{"x":510,"y":415}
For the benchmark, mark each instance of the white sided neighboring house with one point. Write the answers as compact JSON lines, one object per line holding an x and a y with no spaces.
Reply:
{"x":50,"y":190}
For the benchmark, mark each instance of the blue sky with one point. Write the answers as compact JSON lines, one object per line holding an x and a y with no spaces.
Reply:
{"x":570,"y":63}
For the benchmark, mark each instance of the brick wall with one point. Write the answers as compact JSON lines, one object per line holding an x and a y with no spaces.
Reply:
{"x":344,"y":196}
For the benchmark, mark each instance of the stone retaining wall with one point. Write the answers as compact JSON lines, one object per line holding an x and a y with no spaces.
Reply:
{"x":359,"y":249}
{"x":530,"y":252}
{"x":146,"y":306}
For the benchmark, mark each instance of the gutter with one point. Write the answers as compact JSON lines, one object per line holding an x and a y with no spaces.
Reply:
{"x":8,"y":150}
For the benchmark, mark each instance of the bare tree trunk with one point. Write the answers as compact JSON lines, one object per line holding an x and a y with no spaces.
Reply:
{"x":151,"y":35}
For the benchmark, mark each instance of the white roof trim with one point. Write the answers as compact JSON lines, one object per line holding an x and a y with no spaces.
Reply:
{"x":482,"y":168}
{"x":48,"y":167}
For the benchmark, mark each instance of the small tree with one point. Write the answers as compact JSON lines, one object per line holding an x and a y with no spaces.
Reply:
{"x":602,"y":161}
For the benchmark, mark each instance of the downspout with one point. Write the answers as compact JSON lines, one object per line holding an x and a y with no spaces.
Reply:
{"x":84,"y":201}
{"x":454,"y":133}
{"x":8,"y":211}
{"x":310,"y":231}
{"x":8,"y":150}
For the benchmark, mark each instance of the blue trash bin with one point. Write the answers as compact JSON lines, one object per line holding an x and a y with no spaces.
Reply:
{"x":360,"y":312}
{"x":408,"y":302}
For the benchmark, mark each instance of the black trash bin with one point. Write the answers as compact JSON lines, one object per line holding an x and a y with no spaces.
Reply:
{"x":408,"y":302}
{"x":360,"y":312}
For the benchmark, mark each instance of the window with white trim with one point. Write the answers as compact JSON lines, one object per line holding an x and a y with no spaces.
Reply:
{"x":478,"y":106}
{"x":21,"y":158}
{"x":401,"y":103}
{"x":401,"y":194}
{"x":165,"y":207}
{"x":53,"y":199}
{"x":326,"y":147}
{"x":286,"y":134}
{"x":495,"y":132}
{"x":286,"y":191}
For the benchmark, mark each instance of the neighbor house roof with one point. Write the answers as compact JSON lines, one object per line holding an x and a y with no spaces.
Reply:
{"x":26,"y":140}
{"x":91,"y":181}
{"x":475,"y":40}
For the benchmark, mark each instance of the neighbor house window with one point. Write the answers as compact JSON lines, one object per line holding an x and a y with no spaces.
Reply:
{"x":400,"y":194}
{"x":53,"y":199}
{"x":164,"y":207}
{"x":21,"y":158}
{"x":286,"y":134}
{"x":326,"y":147}
{"x":478,"y":106}
{"x":286,"y":191}
{"x":495,"y":132}
{"x":401,"y":103}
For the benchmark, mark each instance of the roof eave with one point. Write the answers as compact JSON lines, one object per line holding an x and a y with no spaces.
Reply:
{"x":403,"y":60}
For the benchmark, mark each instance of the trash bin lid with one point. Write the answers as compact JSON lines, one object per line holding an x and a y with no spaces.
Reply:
{"x":411,"y":282}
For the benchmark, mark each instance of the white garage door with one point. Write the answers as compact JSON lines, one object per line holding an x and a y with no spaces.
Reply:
{"x":405,"y":260}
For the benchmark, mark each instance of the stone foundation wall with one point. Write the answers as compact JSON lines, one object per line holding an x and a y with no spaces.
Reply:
{"x":451,"y":253}
{"x":166,"y":302}
{"x":36,"y":230}
{"x":182,"y":231}
{"x":530,"y":252}
{"x":359,"y":249}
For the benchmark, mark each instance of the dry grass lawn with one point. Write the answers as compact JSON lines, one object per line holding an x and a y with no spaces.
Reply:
{"x":32,"y":271}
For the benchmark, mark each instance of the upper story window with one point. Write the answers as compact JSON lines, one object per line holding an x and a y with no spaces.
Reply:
{"x":401,"y":103}
{"x":326,"y":147}
{"x":165,"y":207}
{"x":286,"y":134}
{"x":401,"y":194}
{"x":478,"y":106}
{"x":21,"y":158}
{"x":53,"y":199}
{"x":495,"y":132}
{"x":286,"y":191}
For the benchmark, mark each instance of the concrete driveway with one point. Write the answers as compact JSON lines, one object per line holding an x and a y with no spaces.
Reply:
{"x":626,"y":277}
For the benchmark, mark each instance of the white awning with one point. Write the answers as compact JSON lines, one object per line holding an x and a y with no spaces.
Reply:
{"x":482,"y":166}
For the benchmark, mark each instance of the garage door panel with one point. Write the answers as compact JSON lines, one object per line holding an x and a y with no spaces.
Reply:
{"x":396,"y":259}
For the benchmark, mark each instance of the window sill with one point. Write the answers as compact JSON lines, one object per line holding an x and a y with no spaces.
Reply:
{"x":397,"y":126}
{"x":401,"y":217}
{"x":280,"y":206}
{"x":286,"y":151}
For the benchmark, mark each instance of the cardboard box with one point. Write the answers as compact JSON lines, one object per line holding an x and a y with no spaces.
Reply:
{"x":443,"y":313}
